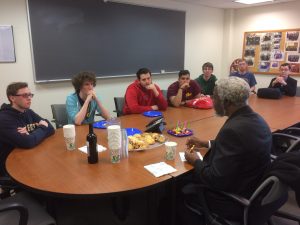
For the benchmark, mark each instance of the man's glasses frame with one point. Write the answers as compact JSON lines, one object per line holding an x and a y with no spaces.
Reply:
{"x":26,"y":95}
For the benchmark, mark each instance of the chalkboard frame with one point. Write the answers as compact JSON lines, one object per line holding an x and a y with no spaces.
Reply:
{"x":172,"y":57}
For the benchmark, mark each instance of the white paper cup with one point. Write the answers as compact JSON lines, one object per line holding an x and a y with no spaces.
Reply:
{"x":114,"y":136}
{"x":170,"y":150}
{"x":69,"y":130}
{"x":70,"y":143}
{"x":69,"y":135}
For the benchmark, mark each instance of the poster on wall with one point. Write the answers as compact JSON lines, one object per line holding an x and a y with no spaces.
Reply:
{"x":7,"y":49}
{"x":265,"y":51}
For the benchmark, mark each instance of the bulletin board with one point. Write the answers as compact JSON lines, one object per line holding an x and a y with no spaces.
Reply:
{"x":265,"y":51}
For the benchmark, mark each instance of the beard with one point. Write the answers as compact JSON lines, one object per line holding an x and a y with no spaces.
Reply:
{"x":219,"y":110}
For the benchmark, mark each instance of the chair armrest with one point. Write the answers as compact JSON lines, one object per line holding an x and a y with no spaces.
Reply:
{"x":293,"y":128}
{"x":239,"y":199}
{"x":286,"y":135}
{"x":6,"y":182}
{"x":273,"y":157}
{"x":8,"y":206}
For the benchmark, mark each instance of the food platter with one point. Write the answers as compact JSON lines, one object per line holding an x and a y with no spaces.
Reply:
{"x":157,"y":144}
{"x":145,"y":141}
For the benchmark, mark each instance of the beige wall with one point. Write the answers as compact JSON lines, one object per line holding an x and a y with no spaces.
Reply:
{"x":212,"y":34}
{"x":204,"y":41}
{"x":271,"y":17}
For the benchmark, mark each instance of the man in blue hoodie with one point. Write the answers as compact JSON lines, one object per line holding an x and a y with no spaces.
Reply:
{"x":20,"y":126}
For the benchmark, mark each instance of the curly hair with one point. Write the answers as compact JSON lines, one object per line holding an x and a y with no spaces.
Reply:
{"x":79,"y":79}
{"x":233,"y":90}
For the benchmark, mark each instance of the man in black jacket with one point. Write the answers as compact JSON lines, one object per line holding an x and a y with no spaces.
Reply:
{"x":20,"y":126}
{"x":286,"y":84}
{"x":240,"y":154}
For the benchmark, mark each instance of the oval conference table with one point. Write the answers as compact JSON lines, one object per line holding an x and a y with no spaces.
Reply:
{"x":51,"y":169}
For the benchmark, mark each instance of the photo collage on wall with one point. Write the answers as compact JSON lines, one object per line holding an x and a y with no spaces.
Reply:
{"x":265,"y":51}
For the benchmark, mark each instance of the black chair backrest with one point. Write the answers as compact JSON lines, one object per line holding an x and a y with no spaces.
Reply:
{"x":257,"y":210}
{"x":265,"y":201}
{"x":23,"y":209}
{"x":286,"y":140}
{"x":283,"y":143}
{"x":59,"y":113}
{"x":298,"y":92}
{"x":165,"y":93}
{"x":119,"y":103}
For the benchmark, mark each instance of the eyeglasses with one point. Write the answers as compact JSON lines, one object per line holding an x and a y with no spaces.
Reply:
{"x":26,"y":95}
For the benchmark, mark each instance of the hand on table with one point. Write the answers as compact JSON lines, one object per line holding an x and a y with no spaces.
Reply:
{"x":154,"y":107}
{"x":191,"y":156}
{"x":196,"y":142}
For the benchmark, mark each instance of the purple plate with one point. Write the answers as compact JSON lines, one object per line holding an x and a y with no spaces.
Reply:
{"x":180,"y":135}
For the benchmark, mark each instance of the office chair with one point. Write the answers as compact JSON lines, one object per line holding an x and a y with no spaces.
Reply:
{"x":298,"y":92}
{"x":59,"y":113}
{"x":290,"y":209}
{"x":283,"y":143}
{"x":119,"y":103}
{"x":257,"y":210}
{"x":22,"y":209}
{"x":286,"y":140}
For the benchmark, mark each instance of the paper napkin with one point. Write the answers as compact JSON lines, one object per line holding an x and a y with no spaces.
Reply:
{"x":100,"y":148}
{"x":159,"y":169}
{"x":181,"y":154}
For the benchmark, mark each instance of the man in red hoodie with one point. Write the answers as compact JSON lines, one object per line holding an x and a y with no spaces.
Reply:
{"x":143,"y":95}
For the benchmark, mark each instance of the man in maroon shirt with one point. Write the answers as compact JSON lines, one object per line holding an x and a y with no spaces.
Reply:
{"x":143,"y":95}
{"x":183,"y":90}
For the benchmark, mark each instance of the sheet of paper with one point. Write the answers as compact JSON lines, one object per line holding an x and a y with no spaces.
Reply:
{"x":84,"y":148}
{"x":159,"y":169}
{"x":181,"y":154}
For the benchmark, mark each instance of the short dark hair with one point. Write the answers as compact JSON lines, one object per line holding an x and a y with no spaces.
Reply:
{"x":286,"y":64}
{"x":183,"y":72}
{"x":142,"y":71}
{"x":82,"y":77}
{"x":13,"y":88}
{"x":207,"y":64}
